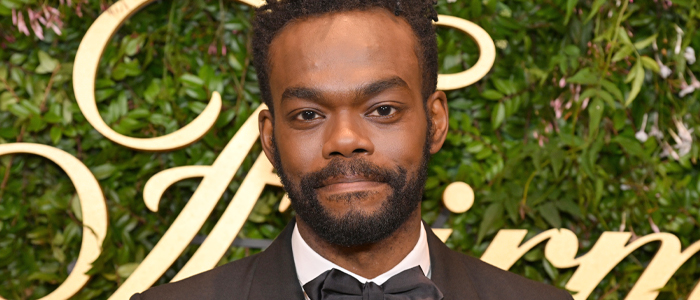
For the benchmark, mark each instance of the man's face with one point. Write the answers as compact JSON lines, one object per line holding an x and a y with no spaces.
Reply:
{"x":350,"y":132}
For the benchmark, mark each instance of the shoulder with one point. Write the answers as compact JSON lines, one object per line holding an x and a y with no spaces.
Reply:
{"x":217,"y":283}
{"x":494,"y":283}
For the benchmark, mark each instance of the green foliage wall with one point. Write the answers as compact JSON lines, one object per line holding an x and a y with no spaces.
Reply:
{"x":589,"y":120}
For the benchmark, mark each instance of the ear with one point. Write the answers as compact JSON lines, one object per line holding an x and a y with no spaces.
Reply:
{"x":440,"y":117}
{"x":266,"y":127}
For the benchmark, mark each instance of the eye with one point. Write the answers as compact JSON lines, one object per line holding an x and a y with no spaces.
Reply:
{"x":307,"y":115}
{"x":383,"y":111}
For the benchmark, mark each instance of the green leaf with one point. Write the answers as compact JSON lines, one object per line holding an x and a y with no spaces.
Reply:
{"x":613,"y":89}
{"x":197,"y":93}
{"x":196,"y":107}
{"x":631,"y":75}
{"x":650,"y":64}
{"x":75,"y":207}
{"x":572,"y":51}
{"x":152,"y":91}
{"x":594,"y":9}
{"x":192,"y":80}
{"x":505,"y":86}
{"x":492,"y":216}
{"x":233,"y":62}
{"x":3,"y":74}
{"x":595,"y":114}
{"x":6,"y":100}
{"x":132,"y":45}
{"x":645,"y":42}
{"x":492,"y":95}
{"x":475,"y":7}
{"x":31,"y":106}
{"x":631,"y":146}
{"x":606,"y":97}
{"x":498,"y":114}
{"x":568,"y":206}
{"x":19,"y":111}
{"x":56,"y":134}
{"x":551,"y":271}
{"x":102,"y":95}
{"x":623,"y":53}
{"x":58,"y":254}
{"x":54,"y":114}
{"x":452,"y":61}
{"x":557,"y":157}
{"x":570,"y":5}
{"x":47,"y":64}
{"x":550,"y":213}
{"x":124,"y":69}
{"x":637,"y":84}
{"x":125,"y":270}
{"x":103,"y":171}
{"x":589,"y":93}
{"x":532,"y":273}
{"x":583,"y":76}
{"x":622,"y":35}
{"x":474,"y":147}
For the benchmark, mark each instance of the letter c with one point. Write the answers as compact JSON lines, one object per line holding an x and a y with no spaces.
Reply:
{"x":92,"y":205}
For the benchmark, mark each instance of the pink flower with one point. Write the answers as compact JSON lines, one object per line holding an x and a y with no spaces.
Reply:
{"x":654,"y":228}
{"x":556,"y":105}
{"x":21,"y":26}
{"x":34,"y":23}
{"x":55,"y":29}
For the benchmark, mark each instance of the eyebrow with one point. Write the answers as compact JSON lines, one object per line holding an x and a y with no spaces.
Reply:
{"x":301,"y":93}
{"x":377,"y":87}
{"x":363,"y":91}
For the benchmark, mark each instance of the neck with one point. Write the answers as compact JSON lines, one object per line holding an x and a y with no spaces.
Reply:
{"x":372,"y":260}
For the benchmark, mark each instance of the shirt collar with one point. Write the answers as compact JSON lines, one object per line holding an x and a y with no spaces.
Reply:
{"x":310,"y":264}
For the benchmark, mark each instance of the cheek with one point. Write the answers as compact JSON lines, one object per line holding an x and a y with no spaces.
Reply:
{"x":402,"y":148}
{"x":299,"y":151}
{"x":402,"y":145}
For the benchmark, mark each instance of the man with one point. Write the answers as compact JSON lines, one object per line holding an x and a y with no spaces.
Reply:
{"x":353,"y":118}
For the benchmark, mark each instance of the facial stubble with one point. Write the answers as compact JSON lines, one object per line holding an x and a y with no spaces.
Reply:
{"x":355,"y":227}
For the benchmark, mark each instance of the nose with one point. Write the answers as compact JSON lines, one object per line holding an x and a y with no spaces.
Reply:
{"x":347,"y":137}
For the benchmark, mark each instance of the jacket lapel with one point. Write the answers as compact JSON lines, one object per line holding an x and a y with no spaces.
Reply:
{"x":448,"y":270}
{"x":275,"y":276}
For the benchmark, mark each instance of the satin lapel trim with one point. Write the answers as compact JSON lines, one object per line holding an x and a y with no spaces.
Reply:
{"x":275,"y":275}
{"x":448,"y":270}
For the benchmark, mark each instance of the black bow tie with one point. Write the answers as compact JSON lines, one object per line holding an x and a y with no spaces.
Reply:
{"x":407,"y":285}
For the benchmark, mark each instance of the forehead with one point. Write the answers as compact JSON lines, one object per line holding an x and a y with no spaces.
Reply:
{"x":342,"y":51}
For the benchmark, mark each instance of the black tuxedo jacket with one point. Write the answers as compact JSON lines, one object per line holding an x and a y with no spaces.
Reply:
{"x":271,"y":275}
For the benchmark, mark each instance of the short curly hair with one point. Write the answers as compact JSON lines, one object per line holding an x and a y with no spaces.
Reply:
{"x":272,"y":17}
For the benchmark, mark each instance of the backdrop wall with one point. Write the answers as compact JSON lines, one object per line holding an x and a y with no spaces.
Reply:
{"x":589,"y":120}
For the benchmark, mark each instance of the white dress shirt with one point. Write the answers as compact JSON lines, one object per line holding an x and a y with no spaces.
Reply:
{"x":310,"y":264}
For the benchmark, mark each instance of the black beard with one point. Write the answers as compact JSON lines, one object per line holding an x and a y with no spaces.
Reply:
{"x":356,"y":228}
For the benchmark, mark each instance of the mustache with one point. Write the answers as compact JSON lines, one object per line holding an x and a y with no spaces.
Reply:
{"x":358,"y":167}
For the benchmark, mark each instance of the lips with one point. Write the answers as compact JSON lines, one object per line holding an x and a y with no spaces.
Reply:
{"x":347,"y":175}
{"x":347,"y":180}
{"x":349,"y":184}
